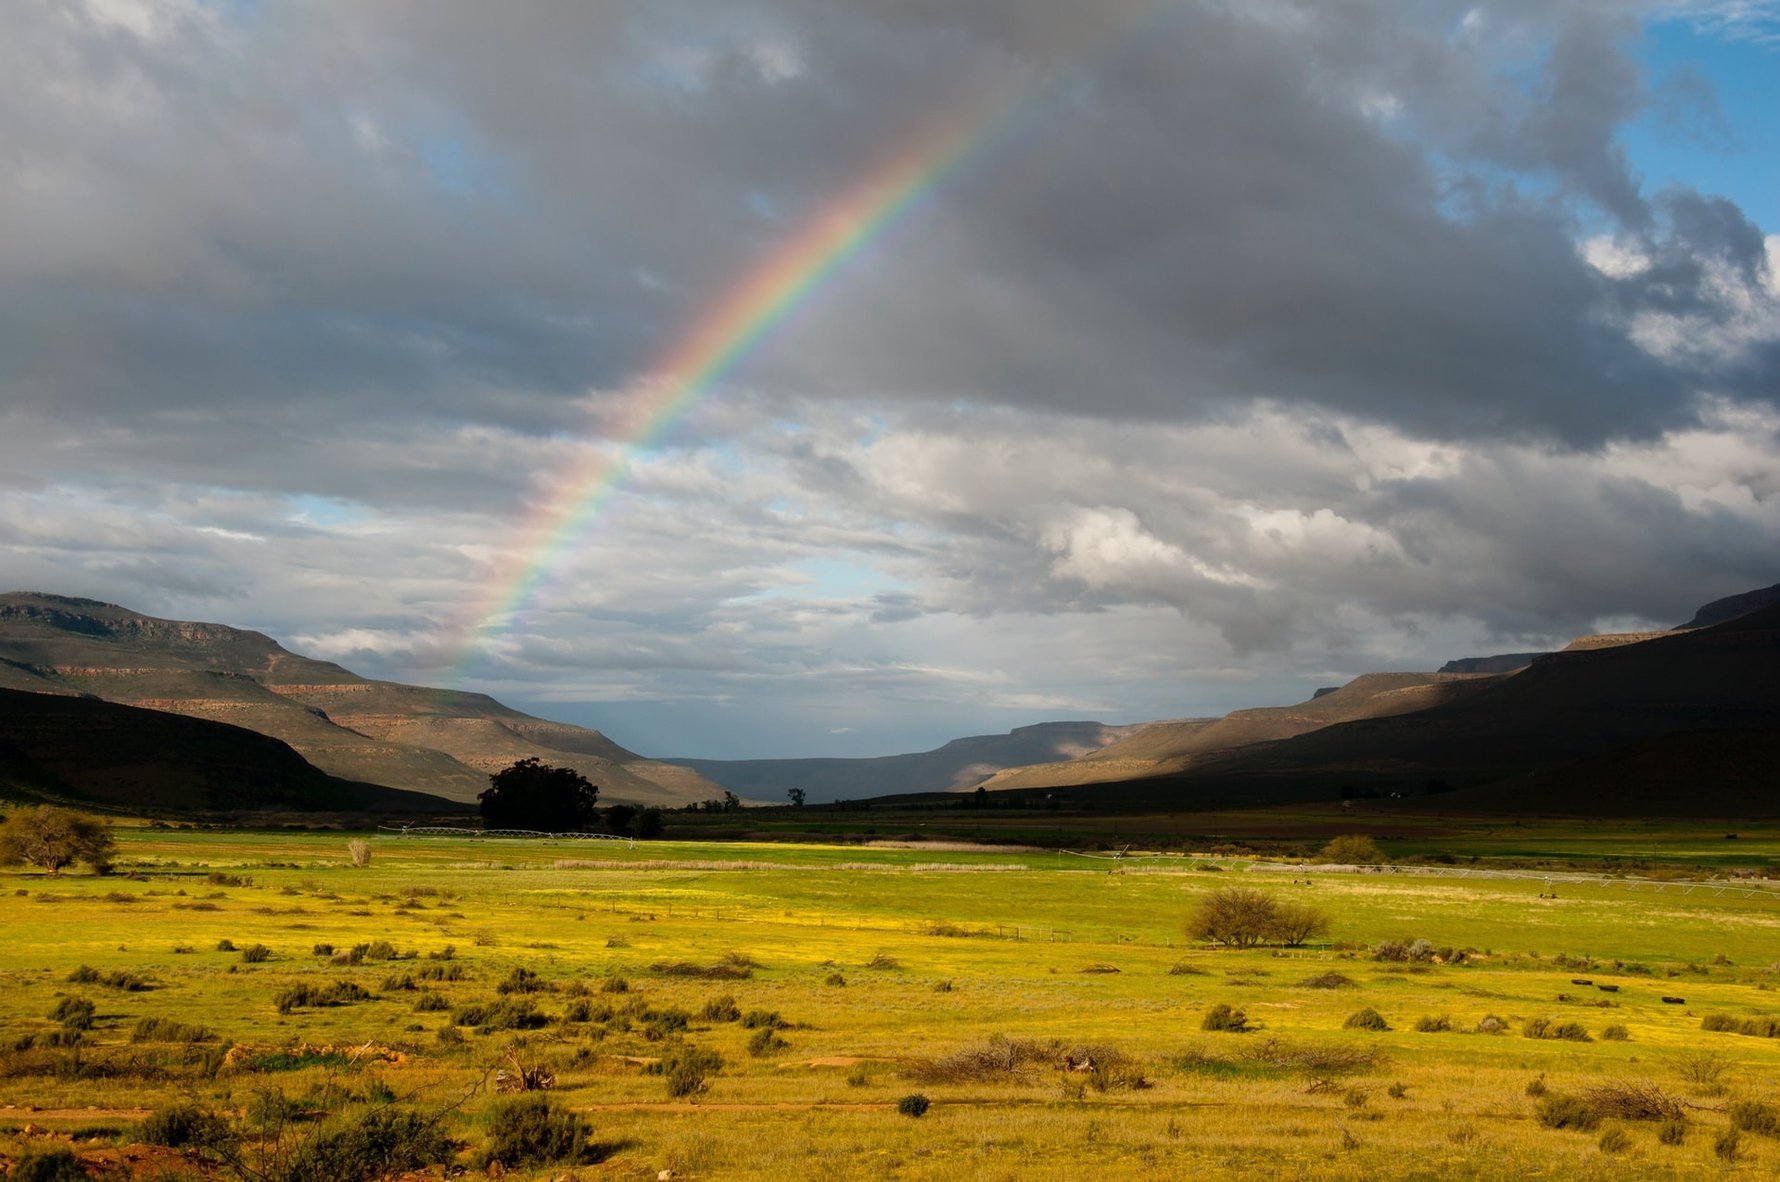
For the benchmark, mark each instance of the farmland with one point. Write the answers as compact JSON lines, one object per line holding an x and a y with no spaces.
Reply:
{"x":1047,"y":1005}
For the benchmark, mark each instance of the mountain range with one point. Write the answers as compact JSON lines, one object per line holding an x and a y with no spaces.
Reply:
{"x":440,"y":742}
{"x":102,"y":703}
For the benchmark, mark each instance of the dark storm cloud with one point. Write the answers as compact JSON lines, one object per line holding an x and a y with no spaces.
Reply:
{"x":453,"y":212}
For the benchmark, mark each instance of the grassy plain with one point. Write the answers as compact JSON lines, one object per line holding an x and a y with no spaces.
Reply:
{"x":973,"y":978}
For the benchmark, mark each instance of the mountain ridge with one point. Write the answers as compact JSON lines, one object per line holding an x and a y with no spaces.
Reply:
{"x":437,"y":741}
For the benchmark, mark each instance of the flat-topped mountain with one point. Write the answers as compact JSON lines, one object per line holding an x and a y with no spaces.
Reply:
{"x":443,"y":742}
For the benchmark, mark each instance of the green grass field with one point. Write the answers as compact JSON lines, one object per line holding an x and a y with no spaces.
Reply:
{"x":985,"y":981}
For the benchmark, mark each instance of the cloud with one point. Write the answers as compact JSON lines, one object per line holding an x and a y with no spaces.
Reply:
{"x":1245,"y":346}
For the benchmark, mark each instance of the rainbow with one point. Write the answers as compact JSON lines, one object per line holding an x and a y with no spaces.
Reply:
{"x":733,"y":329}
{"x":736,"y":326}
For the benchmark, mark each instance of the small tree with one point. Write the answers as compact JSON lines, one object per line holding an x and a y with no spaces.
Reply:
{"x":1296,"y":923}
{"x":534,"y":795}
{"x":795,"y":796}
{"x":53,"y":838}
{"x":1353,"y":849}
{"x":1238,"y":917}
{"x":1242,"y":917}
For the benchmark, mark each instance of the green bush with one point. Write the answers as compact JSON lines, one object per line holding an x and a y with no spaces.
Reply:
{"x":1366,"y":1019}
{"x":766,"y":1041}
{"x":1226,"y":1018}
{"x":335,"y":993}
{"x":522,"y":980}
{"x":169,"y":1030}
{"x":381,"y":1142}
{"x":532,"y":1130}
{"x":256,"y":953}
{"x":1672,"y":1132}
{"x":721,"y":1009}
{"x":74,"y":1013}
{"x":1557,"y":1111}
{"x":1615,"y":1033}
{"x":1429,"y":1024}
{"x":1614,"y":1140}
{"x":180,"y":1125}
{"x":1754,"y":1116}
{"x":685,"y":1068}
{"x":500,"y":1015}
{"x":914,"y":1105}
{"x":755,"y":1019}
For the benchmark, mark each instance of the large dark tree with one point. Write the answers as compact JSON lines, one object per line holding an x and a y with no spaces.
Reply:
{"x":53,"y":838}
{"x":534,"y":795}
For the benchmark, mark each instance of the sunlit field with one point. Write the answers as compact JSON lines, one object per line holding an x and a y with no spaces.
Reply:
{"x":1048,"y":1006}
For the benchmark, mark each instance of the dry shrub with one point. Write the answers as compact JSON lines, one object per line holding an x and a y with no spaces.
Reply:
{"x":1702,"y":1068}
{"x":998,"y":1059}
{"x":1330,"y":980}
{"x":359,"y":850}
{"x":1226,"y":1018}
{"x":1633,"y":1100}
{"x":1754,"y":1116}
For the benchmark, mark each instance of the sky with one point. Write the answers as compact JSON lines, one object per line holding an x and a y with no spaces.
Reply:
{"x":772,"y":378}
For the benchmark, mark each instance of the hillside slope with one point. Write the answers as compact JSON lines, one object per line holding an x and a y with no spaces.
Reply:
{"x":1572,"y":731}
{"x":80,"y":750}
{"x":437,"y":741}
{"x":1164,"y":747}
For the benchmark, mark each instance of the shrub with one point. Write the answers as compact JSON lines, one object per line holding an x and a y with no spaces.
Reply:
{"x":180,"y":1125}
{"x":522,"y":980}
{"x":836,"y":980}
{"x":914,"y":1105}
{"x":615,"y":985}
{"x":721,"y":1009}
{"x":1490,"y":1024}
{"x":1557,"y":1111}
{"x":766,"y":1041}
{"x":1614,"y":1140}
{"x":430,"y":1003}
{"x":755,"y":1019}
{"x":382,"y":1141}
{"x":1429,"y":1024}
{"x":1366,"y":1019}
{"x":1226,"y":1018}
{"x":1353,"y":849}
{"x":724,"y":970}
{"x":1629,"y":1100}
{"x":1754,"y":1116}
{"x":883,"y":961}
{"x":506,"y":1014}
{"x":1727,"y":1144}
{"x":580,"y":1010}
{"x":74,"y":1013}
{"x":359,"y":851}
{"x":256,"y":953}
{"x":170,"y":1030}
{"x":1701,"y":1068}
{"x":658,"y":1024}
{"x":1330,"y":980}
{"x":335,"y":993}
{"x":1672,"y":1132}
{"x":1719,"y":1022}
{"x":685,"y":1069}
{"x":1615,"y":1033}
{"x":532,"y":1130}
{"x":1186,"y":968}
